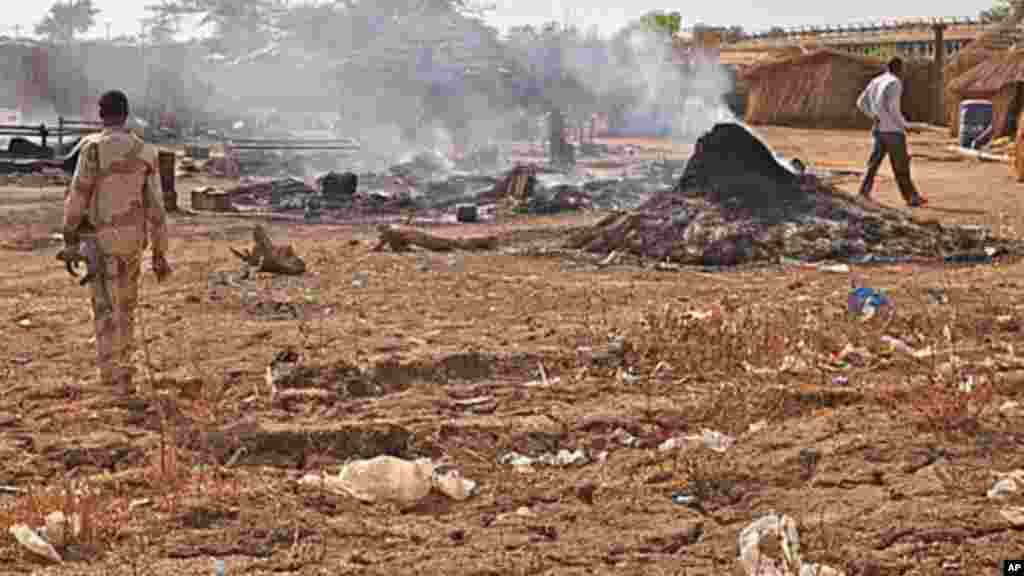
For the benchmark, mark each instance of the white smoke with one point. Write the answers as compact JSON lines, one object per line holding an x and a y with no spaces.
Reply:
{"x":681,"y":93}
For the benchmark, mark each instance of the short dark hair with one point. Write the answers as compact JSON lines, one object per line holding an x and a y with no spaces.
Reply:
{"x":895,"y":65}
{"x":113,"y":104}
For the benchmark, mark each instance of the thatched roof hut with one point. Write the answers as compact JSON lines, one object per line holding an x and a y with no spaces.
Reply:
{"x":975,"y":53}
{"x":999,"y":79}
{"x":820,"y":89}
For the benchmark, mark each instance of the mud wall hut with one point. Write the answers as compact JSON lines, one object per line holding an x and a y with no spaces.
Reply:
{"x":999,"y":79}
{"x":819,"y":89}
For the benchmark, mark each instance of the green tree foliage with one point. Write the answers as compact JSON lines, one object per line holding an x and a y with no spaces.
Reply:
{"x":669,"y":23}
{"x":998,"y":12}
{"x":66,"y":19}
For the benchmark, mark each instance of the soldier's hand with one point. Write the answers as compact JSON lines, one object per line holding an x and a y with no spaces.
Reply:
{"x":161,"y":268}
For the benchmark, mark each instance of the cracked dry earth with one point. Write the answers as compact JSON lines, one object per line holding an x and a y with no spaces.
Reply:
{"x":880,"y":458}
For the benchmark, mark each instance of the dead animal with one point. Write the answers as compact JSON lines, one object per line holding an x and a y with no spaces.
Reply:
{"x":265,"y":257}
{"x":401,"y":239}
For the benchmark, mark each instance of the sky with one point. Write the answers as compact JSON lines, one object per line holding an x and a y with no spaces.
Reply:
{"x":607,"y":15}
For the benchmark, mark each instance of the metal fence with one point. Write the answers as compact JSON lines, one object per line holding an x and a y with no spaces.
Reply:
{"x":878,"y":27}
{"x":44,"y":133}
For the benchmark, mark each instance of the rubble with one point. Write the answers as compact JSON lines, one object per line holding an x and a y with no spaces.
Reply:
{"x":736,"y":203}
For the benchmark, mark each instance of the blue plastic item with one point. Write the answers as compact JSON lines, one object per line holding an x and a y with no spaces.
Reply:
{"x":866,"y":301}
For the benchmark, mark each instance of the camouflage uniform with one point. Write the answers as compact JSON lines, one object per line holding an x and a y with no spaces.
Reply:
{"x":117,"y":187}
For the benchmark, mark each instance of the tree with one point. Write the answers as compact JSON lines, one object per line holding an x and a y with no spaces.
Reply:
{"x":998,"y":12}
{"x":238,"y":26}
{"x":669,"y":23}
{"x":66,"y":19}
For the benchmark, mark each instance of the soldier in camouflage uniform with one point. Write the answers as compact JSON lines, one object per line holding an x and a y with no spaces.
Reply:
{"x":116,"y":192}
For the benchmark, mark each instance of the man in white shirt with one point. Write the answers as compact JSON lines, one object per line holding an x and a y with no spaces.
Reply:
{"x":881,"y":102}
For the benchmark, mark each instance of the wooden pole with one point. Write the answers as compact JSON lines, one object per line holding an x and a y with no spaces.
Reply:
{"x":939,"y":112}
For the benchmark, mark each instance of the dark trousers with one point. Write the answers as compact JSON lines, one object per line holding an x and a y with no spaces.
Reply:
{"x":894,"y":145}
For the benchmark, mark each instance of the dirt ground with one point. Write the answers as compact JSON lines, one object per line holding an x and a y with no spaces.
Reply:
{"x":883,"y":458}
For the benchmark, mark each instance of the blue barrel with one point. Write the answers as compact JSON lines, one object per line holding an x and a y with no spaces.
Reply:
{"x":975,"y":117}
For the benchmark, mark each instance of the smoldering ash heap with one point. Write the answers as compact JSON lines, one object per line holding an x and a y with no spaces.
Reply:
{"x":737,"y":203}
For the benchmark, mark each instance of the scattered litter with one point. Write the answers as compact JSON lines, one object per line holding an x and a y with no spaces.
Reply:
{"x":937,"y":296}
{"x":391,"y":479}
{"x":865,"y":302}
{"x":711,"y":439}
{"x":56,"y":526}
{"x":759,"y":563}
{"x":563,"y":458}
{"x":1008,"y":485}
{"x":898,"y":345}
{"x":218,"y":567}
{"x":686,"y":499}
{"x":834,"y":268}
{"x":623,"y":437}
{"x":28,"y":538}
{"x":11,"y":490}
{"x":360,"y":279}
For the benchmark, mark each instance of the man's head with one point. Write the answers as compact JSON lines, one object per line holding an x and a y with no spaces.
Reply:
{"x":895,"y":66}
{"x":114,"y":108}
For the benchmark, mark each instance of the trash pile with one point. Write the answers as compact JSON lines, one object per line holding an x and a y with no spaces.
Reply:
{"x":427,"y":187}
{"x":737,"y":203}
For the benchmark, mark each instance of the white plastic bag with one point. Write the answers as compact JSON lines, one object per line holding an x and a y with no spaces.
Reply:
{"x":56,"y":525}
{"x":28,"y":538}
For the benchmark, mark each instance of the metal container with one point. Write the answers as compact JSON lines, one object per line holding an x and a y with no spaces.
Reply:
{"x":211,"y":199}
{"x":975,"y":117}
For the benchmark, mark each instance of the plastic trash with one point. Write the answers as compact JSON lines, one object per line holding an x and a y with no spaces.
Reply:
{"x":834,"y":268}
{"x":1003,"y":489}
{"x":1008,"y":485}
{"x":898,"y":345}
{"x":360,"y":280}
{"x":711,"y":440}
{"x":28,"y":538}
{"x":757,"y":563}
{"x":391,"y":479}
{"x":57,"y":525}
{"x":218,"y":567}
{"x":562,"y":458}
{"x":865,"y":302}
{"x":717,"y":441}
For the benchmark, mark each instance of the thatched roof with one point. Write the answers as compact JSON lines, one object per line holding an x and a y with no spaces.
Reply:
{"x":992,"y":75}
{"x":808,"y":59}
{"x":820,"y":89}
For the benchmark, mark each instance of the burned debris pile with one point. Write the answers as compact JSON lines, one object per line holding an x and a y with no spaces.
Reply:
{"x":737,"y":203}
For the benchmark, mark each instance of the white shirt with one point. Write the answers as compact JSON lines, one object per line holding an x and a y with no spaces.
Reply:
{"x":881,"y":101}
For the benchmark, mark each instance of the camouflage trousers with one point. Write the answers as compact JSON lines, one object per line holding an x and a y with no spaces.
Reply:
{"x":115,"y":292}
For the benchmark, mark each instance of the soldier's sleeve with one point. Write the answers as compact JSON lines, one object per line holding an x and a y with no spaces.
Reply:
{"x":79,"y":193}
{"x":153,"y":203}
